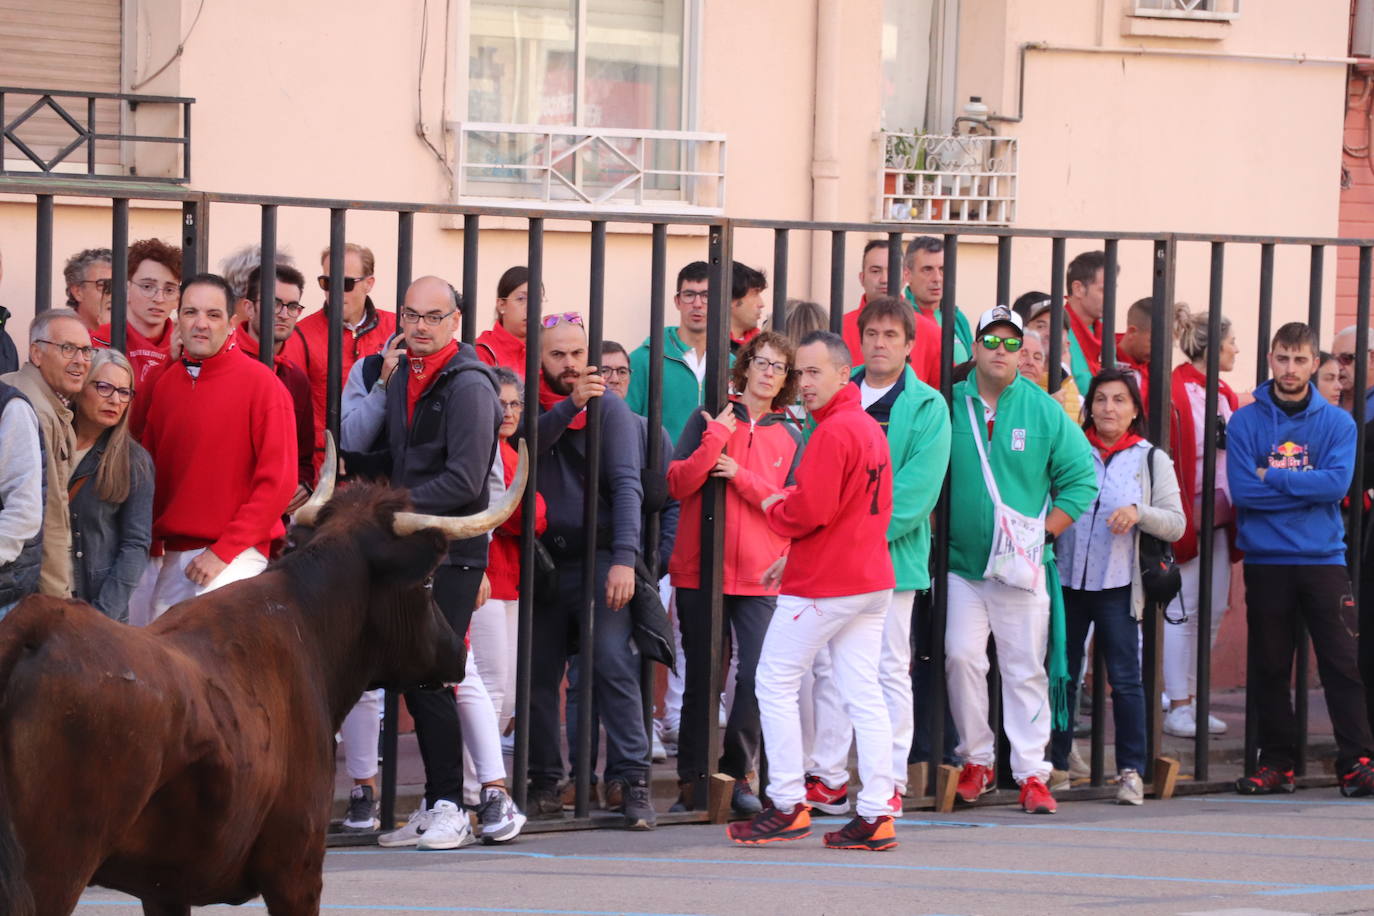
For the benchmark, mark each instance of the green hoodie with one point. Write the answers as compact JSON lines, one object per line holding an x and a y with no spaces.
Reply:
{"x":963,"y":334}
{"x":682,"y":393}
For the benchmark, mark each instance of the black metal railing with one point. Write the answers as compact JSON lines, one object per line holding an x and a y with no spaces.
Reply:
{"x":81,"y":118}
{"x":1164,"y":251}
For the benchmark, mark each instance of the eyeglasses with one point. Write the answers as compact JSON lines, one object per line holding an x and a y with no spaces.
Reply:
{"x":552,"y":321}
{"x":511,"y":407}
{"x":151,"y":289}
{"x":616,"y":371}
{"x":102,"y":286}
{"x":1345,"y":359}
{"x":280,"y":306}
{"x":692,"y":295}
{"x":993,"y":341}
{"x":70,"y":350}
{"x":763,"y":365}
{"x":349,"y":282}
{"x":107,"y":391}
{"x":410,"y":316}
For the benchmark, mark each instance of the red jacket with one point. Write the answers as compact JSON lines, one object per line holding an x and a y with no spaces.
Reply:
{"x":224,"y":449}
{"x":767,"y":451}
{"x":503,"y":557}
{"x":1140,"y":370}
{"x":298,"y":386}
{"x":499,"y":347}
{"x":925,"y":349}
{"x":313,"y":331}
{"x":838,"y":512}
{"x":1183,"y":436}
{"x":145,"y":354}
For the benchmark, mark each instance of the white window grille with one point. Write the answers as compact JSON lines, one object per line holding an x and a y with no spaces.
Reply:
{"x":937,"y":178}
{"x":1188,"y":9}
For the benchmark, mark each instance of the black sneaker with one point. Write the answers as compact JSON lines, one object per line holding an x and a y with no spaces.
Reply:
{"x":1358,"y":781}
{"x":544,"y":803}
{"x":743,"y":800}
{"x":639,"y":807}
{"x":363,"y":810}
{"x":1266,"y":781}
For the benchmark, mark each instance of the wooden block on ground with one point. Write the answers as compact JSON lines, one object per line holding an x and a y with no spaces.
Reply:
{"x":946,"y":782}
{"x":718,"y":798}
{"x":917,"y":778}
{"x":1166,"y":775}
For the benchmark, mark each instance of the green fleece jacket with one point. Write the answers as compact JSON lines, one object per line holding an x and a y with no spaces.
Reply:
{"x":963,"y":334}
{"x":1035,"y":450}
{"x":682,"y":393}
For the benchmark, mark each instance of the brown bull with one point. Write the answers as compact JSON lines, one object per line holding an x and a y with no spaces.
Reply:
{"x":192,"y":762}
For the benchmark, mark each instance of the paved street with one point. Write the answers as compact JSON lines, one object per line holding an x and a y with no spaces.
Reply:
{"x":1216,"y":854}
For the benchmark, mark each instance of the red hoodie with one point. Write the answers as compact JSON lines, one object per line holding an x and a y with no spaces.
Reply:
{"x":925,"y":347}
{"x":224,"y":449}
{"x":371,"y":336}
{"x":503,"y":557}
{"x":298,"y":386}
{"x":145,"y":354}
{"x":499,"y":347}
{"x":838,"y":512}
{"x":766,"y":451}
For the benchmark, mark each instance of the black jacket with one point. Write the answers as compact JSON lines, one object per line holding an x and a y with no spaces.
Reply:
{"x":110,"y":540}
{"x":9,"y":356}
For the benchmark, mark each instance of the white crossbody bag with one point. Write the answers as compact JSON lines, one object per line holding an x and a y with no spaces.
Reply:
{"x":1018,"y":541}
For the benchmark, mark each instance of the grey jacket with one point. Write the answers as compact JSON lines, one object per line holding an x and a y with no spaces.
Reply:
{"x":22,"y":489}
{"x":110,"y":540}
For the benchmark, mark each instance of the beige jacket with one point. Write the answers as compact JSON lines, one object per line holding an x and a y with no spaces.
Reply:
{"x":59,"y":439}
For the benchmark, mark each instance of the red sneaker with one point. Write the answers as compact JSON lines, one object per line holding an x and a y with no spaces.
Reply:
{"x":1266,"y":781}
{"x":860,"y":834}
{"x":823,"y":798}
{"x":771,"y":825}
{"x":975,"y":781}
{"x":1359,"y":780}
{"x":894,"y":804}
{"x":1035,"y":798}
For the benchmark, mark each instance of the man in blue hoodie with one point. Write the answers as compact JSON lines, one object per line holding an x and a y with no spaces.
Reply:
{"x":1290,"y":457}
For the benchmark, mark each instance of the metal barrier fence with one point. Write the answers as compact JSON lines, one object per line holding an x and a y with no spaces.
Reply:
{"x":720,"y":234}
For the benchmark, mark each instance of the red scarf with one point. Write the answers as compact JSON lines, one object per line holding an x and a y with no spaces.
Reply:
{"x":1089,"y":339}
{"x":1183,"y":436}
{"x":548,"y":399}
{"x":421,"y":373}
{"x":1120,"y":445}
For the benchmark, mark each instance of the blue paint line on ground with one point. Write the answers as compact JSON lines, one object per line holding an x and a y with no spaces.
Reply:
{"x":1287,"y":800}
{"x":1328,"y":889}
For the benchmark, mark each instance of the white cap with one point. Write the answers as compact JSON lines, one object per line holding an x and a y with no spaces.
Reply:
{"x":1000,"y":314}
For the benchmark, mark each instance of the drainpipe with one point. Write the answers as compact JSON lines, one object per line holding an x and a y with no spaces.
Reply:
{"x":825,"y":142}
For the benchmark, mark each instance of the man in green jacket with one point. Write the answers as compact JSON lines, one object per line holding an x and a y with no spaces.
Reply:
{"x":1013,"y":448}
{"x":915,"y":420}
{"x":923,"y":272}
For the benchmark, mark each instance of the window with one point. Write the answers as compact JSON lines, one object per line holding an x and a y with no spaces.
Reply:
{"x":1188,"y":9}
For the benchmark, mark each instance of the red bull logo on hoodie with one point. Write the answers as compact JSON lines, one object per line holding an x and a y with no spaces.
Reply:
{"x":1289,"y":456}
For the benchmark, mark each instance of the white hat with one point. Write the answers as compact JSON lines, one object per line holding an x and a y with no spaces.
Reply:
{"x":1000,"y":314}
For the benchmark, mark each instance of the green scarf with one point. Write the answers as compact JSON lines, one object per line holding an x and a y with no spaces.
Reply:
{"x":1058,"y":664}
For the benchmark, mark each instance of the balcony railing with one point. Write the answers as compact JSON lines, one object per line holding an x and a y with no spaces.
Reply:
{"x":585,"y":169}
{"x":932,"y":178}
{"x":1221,"y":10}
{"x":66,"y":133}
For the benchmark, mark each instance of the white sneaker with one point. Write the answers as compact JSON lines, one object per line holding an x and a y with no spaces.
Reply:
{"x":1078,"y":767}
{"x":508,"y":744}
{"x":656,"y":748}
{"x":1131,"y":791}
{"x":669,"y":737}
{"x":410,"y":834}
{"x":498,"y":820}
{"x":1060,"y":781}
{"x":1181,"y":722}
{"x":448,"y":828}
{"x":1215,"y":726}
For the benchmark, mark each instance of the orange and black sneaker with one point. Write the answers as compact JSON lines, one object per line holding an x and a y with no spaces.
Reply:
{"x":860,"y":833}
{"x":1358,"y":781}
{"x":1266,"y":781}
{"x":771,"y":825}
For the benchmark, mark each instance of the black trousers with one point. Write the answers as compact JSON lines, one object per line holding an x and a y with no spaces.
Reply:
{"x":923,"y":677}
{"x":436,"y":711}
{"x":1277,"y":597}
{"x":747,"y":618}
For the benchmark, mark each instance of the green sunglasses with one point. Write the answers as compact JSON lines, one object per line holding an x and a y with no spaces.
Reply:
{"x":993,"y":341}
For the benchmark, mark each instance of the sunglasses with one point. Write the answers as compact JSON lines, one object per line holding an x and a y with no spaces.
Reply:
{"x":993,"y":341}
{"x":552,"y":321}
{"x":349,"y":282}
{"x":1345,"y":359}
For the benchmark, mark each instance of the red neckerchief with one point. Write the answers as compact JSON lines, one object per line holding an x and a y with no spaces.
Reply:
{"x":1089,"y":339}
{"x":423,"y":370}
{"x":1120,"y":445}
{"x":548,"y":398}
{"x":1183,"y":437}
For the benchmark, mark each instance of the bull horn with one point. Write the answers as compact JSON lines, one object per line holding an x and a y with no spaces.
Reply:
{"x":470,"y":526}
{"x":324,"y":491}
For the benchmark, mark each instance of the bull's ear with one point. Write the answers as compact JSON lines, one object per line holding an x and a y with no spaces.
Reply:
{"x":406,"y":560}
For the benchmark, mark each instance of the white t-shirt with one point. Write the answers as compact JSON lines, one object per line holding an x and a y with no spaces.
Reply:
{"x":696,"y":363}
{"x":868,"y":395}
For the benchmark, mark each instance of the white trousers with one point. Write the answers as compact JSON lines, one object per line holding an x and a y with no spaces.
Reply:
{"x":672,"y":696}
{"x":482,"y":761}
{"x":359,"y":733}
{"x":1180,"y":640}
{"x":493,"y":633}
{"x":829,"y":749}
{"x":164,"y":581}
{"x":852,"y":628}
{"x":1020,"y":622}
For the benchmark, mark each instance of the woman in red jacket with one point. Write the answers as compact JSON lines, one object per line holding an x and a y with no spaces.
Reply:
{"x":753,"y":447}
{"x":504,"y":344}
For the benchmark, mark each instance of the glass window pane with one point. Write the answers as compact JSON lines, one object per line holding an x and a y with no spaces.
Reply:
{"x":522,"y":63}
{"x":634,"y":64}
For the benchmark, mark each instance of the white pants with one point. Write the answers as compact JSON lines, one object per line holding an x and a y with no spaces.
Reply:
{"x":482,"y":761}
{"x":829,"y":749}
{"x":672,"y":697}
{"x":1180,"y":640}
{"x":359,"y":732}
{"x":852,"y":628}
{"x":1020,"y":622}
{"x":493,"y":632}
{"x":164,"y":581}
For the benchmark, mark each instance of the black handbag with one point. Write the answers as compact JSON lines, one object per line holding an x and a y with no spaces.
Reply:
{"x":1159,"y":573}
{"x":653,"y":632}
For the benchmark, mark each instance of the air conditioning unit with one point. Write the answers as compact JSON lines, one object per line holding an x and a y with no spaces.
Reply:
{"x":1362,"y":34}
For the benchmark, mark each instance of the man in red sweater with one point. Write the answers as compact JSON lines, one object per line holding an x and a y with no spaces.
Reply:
{"x":925,"y":350}
{"x":217,"y":417}
{"x":836,"y":588}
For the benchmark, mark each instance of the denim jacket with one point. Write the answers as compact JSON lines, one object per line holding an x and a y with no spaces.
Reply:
{"x":110,"y":540}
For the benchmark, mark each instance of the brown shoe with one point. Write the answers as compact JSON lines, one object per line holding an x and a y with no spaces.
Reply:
{"x":615,"y":795}
{"x":570,"y":796}
{"x":685,"y":792}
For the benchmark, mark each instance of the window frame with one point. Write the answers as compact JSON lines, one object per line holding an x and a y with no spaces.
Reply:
{"x":1194,"y":15}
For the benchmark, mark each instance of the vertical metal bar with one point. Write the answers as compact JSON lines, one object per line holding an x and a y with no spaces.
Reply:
{"x":586,"y":662}
{"x":837,"y":281}
{"x":1266,"y":311}
{"x":779,"y":322}
{"x":471,"y":234}
{"x":1109,"y":275}
{"x":119,"y":273}
{"x":334,"y":364}
{"x":1206,"y":559}
{"x":90,"y":140}
{"x":1004,"y":270}
{"x":1357,"y":484}
{"x":948,"y":309}
{"x":405,"y":257}
{"x":1302,"y":675}
{"x":658,"y":278}
{"x":894,"y":264}
{"x":520,"y":766}
{"x":391,"y":709}
{"x":186,"y":145}
{"x":1055,"y":345}
{"x":190,"y":236}
{"x":267,"y":286}
{"x":1314,"y":290}
{"x":1098,"y":758}
{"x":42,"y":268}
{"x":940,"y":605}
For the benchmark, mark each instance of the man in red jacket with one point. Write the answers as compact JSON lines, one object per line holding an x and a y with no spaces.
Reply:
{"x":925,"y":350}
{"x":215,"y":414}
{"x":836,"y":588}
